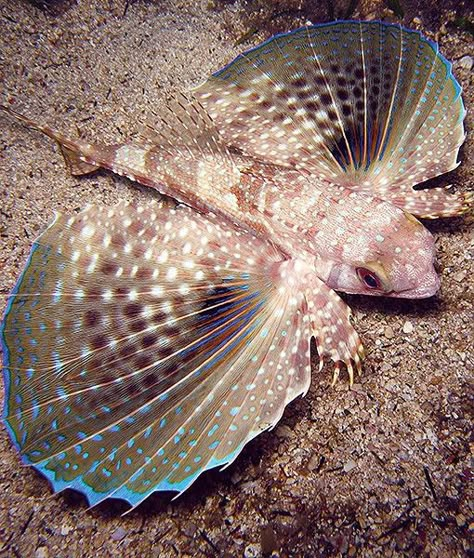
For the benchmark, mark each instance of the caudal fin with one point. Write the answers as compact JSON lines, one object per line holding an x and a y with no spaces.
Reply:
{"x":72,"y":151}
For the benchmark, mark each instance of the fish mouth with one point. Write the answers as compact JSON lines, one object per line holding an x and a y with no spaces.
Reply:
{"x":428,"y":289}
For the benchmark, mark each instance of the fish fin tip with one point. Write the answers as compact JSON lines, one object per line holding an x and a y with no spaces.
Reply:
{"x":74,"y":162}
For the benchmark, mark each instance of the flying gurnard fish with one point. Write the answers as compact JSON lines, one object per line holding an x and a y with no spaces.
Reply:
{"x":145,"y":344}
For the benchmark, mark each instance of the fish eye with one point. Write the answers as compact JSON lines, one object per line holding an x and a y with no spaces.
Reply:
{"x":369,"y":278}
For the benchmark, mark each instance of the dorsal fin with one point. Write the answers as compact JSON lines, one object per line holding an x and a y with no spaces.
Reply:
{"x":184,"y":125}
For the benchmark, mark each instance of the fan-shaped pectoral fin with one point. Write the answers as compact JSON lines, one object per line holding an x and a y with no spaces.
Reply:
{"x":145,"y":345}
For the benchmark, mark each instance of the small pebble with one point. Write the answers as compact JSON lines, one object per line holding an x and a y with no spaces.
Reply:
{"x":284,"y":432}
{"x":66,"y":529}
{"x":358,"y":388}
{"x":235,"y":478}
{"x":42,"y":552}
{"x":436,"y":380}
{"x":351,"y":464}
{"x":314,"y":462}
{"x":189,"y":529}
{"x":252,"y":551}
{"x":407,"y":327}
{"x":466,"y":62}
{"x":389,"y":333}
{"x":119,"y":534}
{"x":269,"y":541}
{"x":460,"y":276}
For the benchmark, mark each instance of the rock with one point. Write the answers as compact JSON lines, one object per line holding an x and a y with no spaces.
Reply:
{"x":389,"y":333}
{"x":119,"y":534}
{"x":407,"y":327}
{"x":252,"y":551}
{"x":358,"y":388}
{"x":66,"y":529}
{"x":460,"y":276}
{"x":436,"y":380}
{"x":269,"y":542}
{"x":235,"y":478}
{"x":284,"y":432}
{"x":189,"y":529}
{"x":314,"y":462}
{"x":466,"y":63}
{"x":351,"y":464}
{"x":42,"y":552}
{"x":352,"y":551}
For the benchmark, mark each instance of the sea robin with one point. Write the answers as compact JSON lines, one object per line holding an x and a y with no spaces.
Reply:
{"x":143,"y":345}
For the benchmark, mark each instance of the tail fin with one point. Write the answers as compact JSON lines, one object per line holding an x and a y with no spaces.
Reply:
{"x":71,"y":150}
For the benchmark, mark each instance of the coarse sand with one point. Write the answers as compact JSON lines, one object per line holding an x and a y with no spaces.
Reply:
{"x":379,"y":470}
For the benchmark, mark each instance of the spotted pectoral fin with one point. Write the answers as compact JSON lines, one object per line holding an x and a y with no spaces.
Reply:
{"x":366,"y":105}
{"x":142,"y":346}
{"x":336,"y":338}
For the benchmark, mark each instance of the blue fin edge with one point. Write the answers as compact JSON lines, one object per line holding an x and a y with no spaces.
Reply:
{"x":93,"y":497}
{"x":433,"y":45}
{"x":5,"y":350}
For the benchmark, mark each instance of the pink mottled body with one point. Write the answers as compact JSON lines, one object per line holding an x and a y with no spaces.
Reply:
{"x":329,"y":226}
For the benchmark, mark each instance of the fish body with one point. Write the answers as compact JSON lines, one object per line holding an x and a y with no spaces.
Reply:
{"x":319,"y":222}
{"x":143,"y":345}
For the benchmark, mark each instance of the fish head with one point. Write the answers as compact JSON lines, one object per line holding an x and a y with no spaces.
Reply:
{"x":389,"y":253}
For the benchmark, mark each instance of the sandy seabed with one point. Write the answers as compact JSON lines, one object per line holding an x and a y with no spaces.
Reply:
{"x":379,"y":470}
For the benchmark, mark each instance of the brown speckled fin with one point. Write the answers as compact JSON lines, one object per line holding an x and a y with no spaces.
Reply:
{"x":366,"y":105}
{"x":191,"y":343}
{"x":76,"y":165}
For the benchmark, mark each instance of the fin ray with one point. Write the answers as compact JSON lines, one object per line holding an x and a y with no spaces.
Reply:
{"x":168,"y":408}
{"x":365,"y":105}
